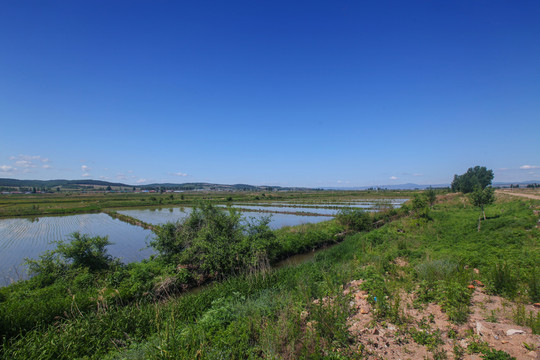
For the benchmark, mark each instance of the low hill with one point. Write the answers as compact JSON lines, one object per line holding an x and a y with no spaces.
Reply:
{"x":73,"y":184}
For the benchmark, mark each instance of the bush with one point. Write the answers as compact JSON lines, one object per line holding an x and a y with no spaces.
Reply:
{"x":420,"y":206}
{"x":46,"y":269}
{"x":354,"y":219}
{"x":493,"y":354}
{"x":80,"y":251}
{"x":216,"y":243}
{"x":85,"y":251}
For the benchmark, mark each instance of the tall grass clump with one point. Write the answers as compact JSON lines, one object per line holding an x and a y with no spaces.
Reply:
{"x":503,"y":280}
{"x":434,"y":270}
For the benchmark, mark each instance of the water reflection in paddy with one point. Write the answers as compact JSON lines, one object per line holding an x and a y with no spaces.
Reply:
{"x":158,"y":216}
{"x":27,"y":238}
{"x":164,"y":215}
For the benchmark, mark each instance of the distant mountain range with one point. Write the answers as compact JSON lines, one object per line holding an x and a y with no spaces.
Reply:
{"x":410,"y":186}
{"x":55,"y":183}
{"x":86,"y":184}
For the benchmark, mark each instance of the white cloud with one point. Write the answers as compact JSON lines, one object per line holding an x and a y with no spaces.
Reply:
{"x":140,"y":181}
{"x":86,"y":175}
{"x":529,"y":167}
{"x":104,"y":177}
{"x":393,"y":178}
{"x":27,"y":161}
{"x":24,"y":163}
{"x":121,"y":176}
{"x":27,"y":157}
{"x":85,"y":168}
{"x":180,"y":174}
{"x":7,"y":168}
{"x":417,"y":174}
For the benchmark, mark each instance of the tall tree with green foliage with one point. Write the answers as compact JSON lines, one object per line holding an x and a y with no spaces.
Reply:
{"x":479,"y":176}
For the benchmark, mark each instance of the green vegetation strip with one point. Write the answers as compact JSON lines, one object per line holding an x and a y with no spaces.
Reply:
{"x":129,"y":219}
{"x":301,"y":213}
{"x":293,"y":312}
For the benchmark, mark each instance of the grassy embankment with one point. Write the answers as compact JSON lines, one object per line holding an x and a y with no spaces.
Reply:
{"x":77,"y":203}
{"x":275,"y":314}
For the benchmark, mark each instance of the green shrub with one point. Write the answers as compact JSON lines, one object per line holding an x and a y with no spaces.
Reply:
{"x":81,"y":250}
{"x":493,"y":354}
{"x":47,"y":269}
{"x":354,"y":219}
{"x":216,"y":243}
{"x":423,"y":334}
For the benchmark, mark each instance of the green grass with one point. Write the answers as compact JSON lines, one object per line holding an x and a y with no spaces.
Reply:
{"x":274,"y":314}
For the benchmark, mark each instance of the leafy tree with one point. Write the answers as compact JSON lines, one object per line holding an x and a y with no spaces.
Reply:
{"x":482,"y":197}
{"x":479,"y":176}
{"x":108,"y":188}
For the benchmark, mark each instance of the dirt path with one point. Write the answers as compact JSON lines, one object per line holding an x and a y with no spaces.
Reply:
{"x":529,"y":196}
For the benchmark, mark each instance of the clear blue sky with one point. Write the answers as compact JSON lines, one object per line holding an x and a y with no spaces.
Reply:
{"x":336,"y":93}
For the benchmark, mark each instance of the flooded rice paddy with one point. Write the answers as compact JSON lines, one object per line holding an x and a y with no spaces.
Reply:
{"x":22,"y":238}
{"x":164,"y":215}
{"x":28,"y":237}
